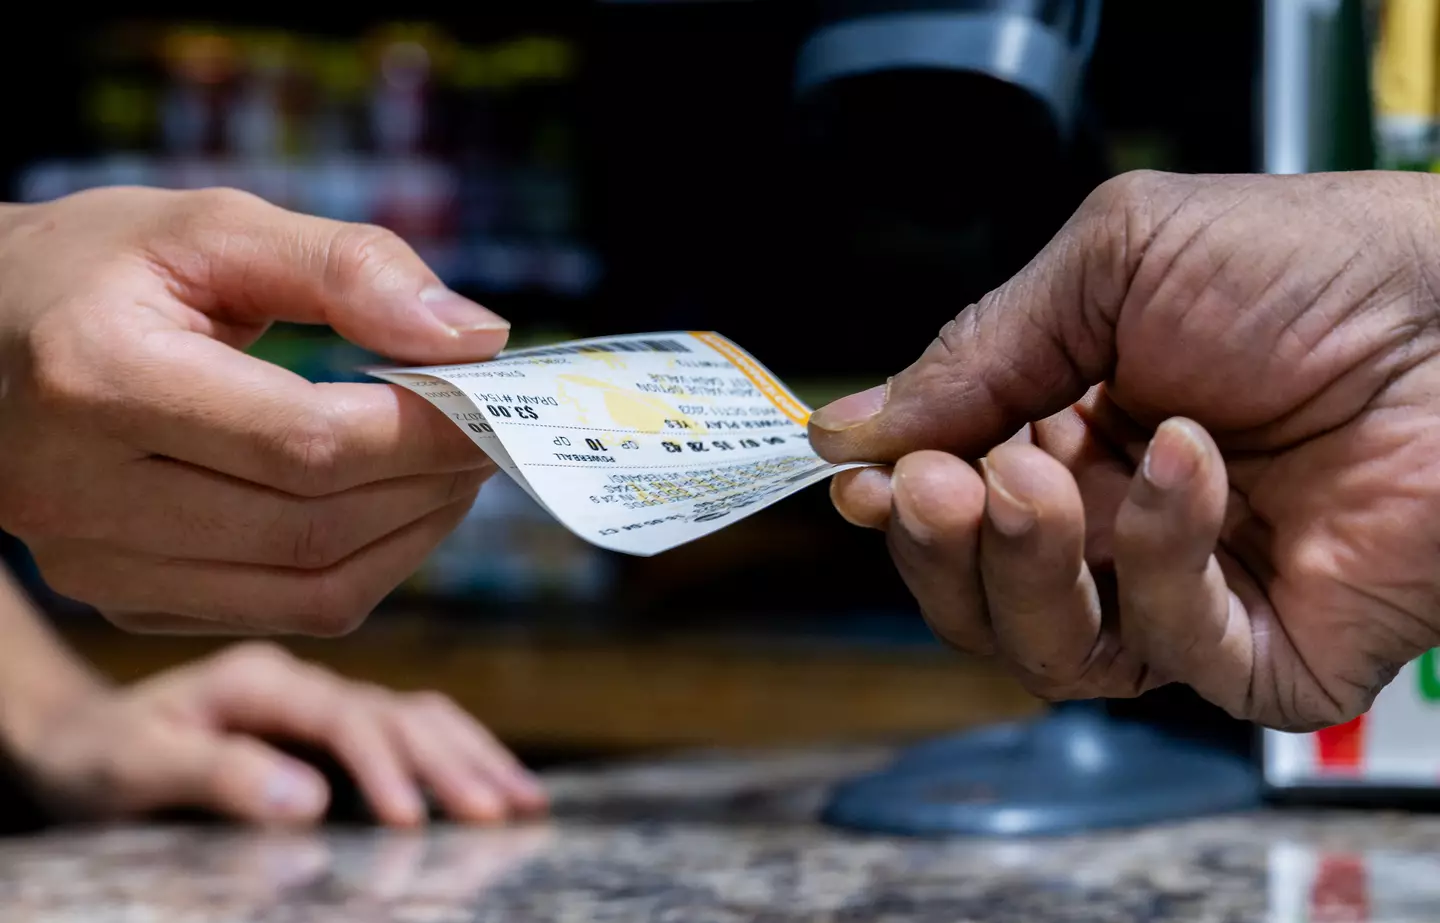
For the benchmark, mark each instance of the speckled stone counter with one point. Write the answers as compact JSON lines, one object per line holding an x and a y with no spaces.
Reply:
{"x":722,"y":840}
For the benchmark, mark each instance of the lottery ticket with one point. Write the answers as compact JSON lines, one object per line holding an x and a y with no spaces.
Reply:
{"x":636,"y":443}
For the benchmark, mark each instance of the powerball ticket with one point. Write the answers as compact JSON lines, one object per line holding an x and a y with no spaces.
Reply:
{"x":636,"y":443}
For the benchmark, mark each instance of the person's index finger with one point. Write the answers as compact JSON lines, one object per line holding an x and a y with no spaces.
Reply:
{"x":203,"y":402}
{"x":384,"y":432}
{"x":237,"y":257}
{"x":1021,"y":353}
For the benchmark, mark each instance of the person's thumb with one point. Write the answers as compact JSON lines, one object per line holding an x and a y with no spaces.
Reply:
{"x":236,"y":776}
{"x":1023,"y":352}
{"x":242,"y":259}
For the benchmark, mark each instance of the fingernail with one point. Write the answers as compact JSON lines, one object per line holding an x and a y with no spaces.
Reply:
{"x":851,"y":410}
{"x":294,"y":793}
{"x":1009,"y":514}
{"x":1172,"y":457}
{"x":460,"y":314}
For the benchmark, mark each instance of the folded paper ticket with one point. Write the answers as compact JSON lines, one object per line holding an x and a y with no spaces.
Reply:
{"x":637,"y":443}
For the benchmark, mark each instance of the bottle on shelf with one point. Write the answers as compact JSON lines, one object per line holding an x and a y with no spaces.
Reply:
{"x":1407,"y":84}
{"x":201,"y":66}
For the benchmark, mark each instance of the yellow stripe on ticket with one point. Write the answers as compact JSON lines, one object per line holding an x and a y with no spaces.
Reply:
{"x":766,"y":383}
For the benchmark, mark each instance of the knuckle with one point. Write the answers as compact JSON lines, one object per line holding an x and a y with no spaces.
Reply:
{"x":465,"y":485}
{"x":196,"y":223}
{"x":359,"y":701}
{"x":110,"y":771}
{"x":59,"y":381}
{"x":1108,"y":218}
{"x":950,"y":339}
{"x":1123,"y":213}
{"x":1065,"y":676}
{"x":1064,"y":680}
{"x":333,"y":609}
{"x":1066,"y":669}
{"x":1125,"y":191}
{"x":374,"y":691}
{"x":216,"y":203}
{"x":1105,"y":670}
{"x":977,"y":643}
{"x":320,"y":541}
{"x":360,"y":253}
{"x":428,"y":700}
{"x":356,"y":706}
{"x":1049,"y":688}
{"x":202,"y":215}
{"x":358,"y":694}
{"x":250,"y":657}
{"x":354,"y":724}
{"x":308,"y":455}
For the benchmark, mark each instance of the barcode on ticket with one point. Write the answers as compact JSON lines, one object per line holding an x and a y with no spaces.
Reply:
{"x":601,"y":346}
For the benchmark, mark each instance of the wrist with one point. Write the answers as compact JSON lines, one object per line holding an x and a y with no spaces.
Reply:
{"x":39,"y":678}
{"x":32,"y":705}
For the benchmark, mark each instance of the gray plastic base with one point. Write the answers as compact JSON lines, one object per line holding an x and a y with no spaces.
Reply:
{"x":1072,"y":771}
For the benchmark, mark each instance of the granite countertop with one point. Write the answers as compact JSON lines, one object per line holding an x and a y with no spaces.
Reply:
{"x":729,"y":839}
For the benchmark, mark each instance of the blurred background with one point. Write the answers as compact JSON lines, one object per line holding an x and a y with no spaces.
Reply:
{"x":592,"y":168}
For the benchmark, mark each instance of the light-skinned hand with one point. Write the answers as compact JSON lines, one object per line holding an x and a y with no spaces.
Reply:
{"x":162,"y":475}
{"x":190,"y":738}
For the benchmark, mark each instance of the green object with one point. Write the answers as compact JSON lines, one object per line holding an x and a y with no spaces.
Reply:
{"x":1347,"y":138}
{"x":288,"y":347}
{"x":1429,"y":682}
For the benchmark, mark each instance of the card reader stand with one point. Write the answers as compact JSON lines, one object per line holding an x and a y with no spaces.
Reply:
{"x":1075,"y":769}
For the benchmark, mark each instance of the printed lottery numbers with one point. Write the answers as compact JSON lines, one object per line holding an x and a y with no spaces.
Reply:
{"x":718,"y":444}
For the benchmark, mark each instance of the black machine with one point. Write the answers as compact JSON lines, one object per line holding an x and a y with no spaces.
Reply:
{"x":907,"y":89}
